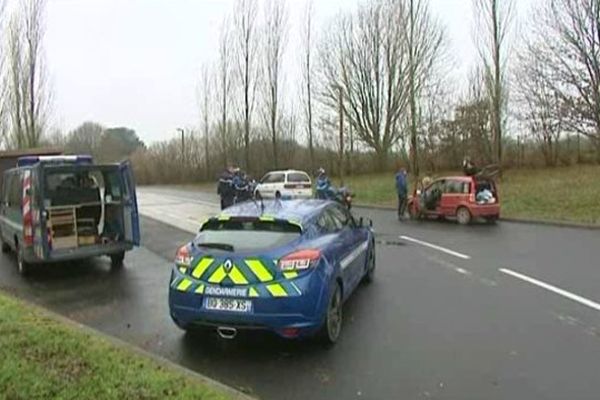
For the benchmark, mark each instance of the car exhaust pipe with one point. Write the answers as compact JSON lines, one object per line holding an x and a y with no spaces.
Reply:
{"x":226,"y":332}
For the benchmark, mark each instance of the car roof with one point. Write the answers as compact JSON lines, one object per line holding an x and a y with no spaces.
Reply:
{"x":286,"y":171}
{"x":300,"y":210}
{"x":456,"y":178}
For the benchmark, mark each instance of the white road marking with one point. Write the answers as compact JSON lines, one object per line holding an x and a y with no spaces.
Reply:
{"x":552,"y":288}
{"x":436,"y":247}
{"x":462,"y":271}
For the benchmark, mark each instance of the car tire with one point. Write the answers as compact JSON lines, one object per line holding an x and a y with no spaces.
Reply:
{"x":116,"y":261}
{"x":332,"y":326}
{"x":5,"y":247}
{"x":23,"y":266}
{"x":370,"y":272}
{"x":463,"y":216}
{"x":491,"y":220}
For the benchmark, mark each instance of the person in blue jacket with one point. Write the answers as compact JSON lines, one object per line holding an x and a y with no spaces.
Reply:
{"x":402,"y":190}
{"x":323,"y":185}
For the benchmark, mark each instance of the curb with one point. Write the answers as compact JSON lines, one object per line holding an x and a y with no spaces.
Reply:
{"x":119,"y":343}
{"x":560,"y":224}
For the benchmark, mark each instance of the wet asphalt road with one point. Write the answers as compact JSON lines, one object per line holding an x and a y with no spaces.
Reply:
{"x":436,"y":323}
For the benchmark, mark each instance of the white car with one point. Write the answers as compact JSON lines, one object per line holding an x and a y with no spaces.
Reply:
{"x":287,"y":184}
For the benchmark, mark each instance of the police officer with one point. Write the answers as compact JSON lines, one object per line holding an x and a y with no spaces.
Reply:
{"x":225,"y":187}
{"x":241,"y":187}
{"x":323,"y":185}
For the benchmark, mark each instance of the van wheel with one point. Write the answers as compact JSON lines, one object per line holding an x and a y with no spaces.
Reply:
{"x":463,"y":215}
{"x":116,"y":260}
{"x":23,"y":266}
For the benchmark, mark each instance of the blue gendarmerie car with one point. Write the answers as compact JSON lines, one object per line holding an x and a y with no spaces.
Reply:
{"x":283,"y":266}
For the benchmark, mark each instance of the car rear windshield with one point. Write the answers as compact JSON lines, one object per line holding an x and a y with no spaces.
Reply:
{"x":298,"y":177}
{"x":247,"y":235}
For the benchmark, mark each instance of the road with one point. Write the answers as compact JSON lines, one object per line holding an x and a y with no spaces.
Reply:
{"x":480,"y":312}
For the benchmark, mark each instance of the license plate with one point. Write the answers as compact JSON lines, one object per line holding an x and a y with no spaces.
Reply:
{"x":226,"y":304}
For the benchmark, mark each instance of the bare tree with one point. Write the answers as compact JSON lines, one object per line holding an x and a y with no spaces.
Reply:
{"x":494,"y":19}
{"x":86,"y":138}
{"x":382,"y":65}
{"x":28,"y":94}
{"x":539,"y":103}
{"x":14,"y":96}
{"x":364,"y":55}
{"x":425,"y":43}
{"x":246,"y":41}
{"x":275,"y":39}
{"x":307,"y":72}
{"x":224,"y":88}
{"x":567,"y":43}
{"x":205,"y":94}
{"x":3,"y":81}
{"x":36,"y":94}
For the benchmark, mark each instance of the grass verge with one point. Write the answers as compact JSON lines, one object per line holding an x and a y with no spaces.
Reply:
{"x":570,"y":194}
{"x":42,"y":358}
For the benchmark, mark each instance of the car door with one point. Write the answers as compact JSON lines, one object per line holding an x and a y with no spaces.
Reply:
{"x":451,"y":196}
{"x":432,"y":196}
{"x":335,"y":250}
{"x":130,"y":207}
{"x":355,"y":242}
{"x":5,"y":227}
{"x":271,"y":183}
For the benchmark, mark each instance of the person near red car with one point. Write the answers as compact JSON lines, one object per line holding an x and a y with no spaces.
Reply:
{"x":402,"y":190}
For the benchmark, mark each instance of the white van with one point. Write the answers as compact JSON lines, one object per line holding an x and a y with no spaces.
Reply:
{"x":288,"y":184}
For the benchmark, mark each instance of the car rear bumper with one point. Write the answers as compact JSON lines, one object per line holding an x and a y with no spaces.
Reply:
{"x":485,"y":210}
{"x":303,"y":311}
{"x":78,"y":253}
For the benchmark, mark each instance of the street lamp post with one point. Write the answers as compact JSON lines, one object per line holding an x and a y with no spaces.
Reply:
{"x":182,"y":146}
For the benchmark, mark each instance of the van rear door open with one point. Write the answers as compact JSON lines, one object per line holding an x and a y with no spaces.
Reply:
{"x":104,"y":211}
{"x":132,"y":220}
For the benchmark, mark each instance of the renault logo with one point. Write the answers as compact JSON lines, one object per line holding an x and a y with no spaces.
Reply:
{"x":228,"y":265}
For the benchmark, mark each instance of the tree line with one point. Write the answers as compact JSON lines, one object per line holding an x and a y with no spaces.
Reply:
{"x":374,"y":91}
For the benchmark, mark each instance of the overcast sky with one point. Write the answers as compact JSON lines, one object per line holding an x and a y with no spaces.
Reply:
{"x":136,"y":63}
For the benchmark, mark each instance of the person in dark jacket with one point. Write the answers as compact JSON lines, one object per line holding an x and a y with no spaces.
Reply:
{"x":402,"y":190}
{"x":225,"y":188}
{"x":323,"y":189}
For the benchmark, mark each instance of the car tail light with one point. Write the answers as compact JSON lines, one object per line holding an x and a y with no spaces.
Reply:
{"x":290,"y":332}
{"x":472,"y":197}
{"x":299,"y":260}
{"x":183,"y":257}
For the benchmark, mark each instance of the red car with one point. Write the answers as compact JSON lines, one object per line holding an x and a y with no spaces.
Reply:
{"x":463,"y":197}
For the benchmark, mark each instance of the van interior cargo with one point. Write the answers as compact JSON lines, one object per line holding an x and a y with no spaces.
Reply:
{"x":83,"y":206}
